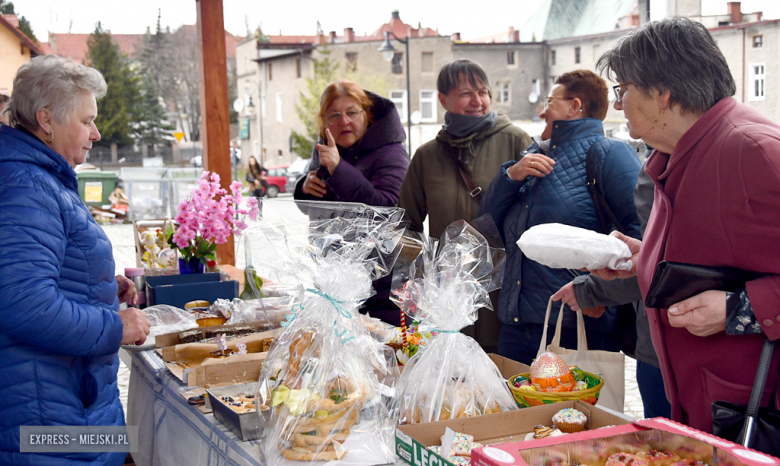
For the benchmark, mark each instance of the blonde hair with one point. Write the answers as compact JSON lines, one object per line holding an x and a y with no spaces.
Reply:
{"x":342,"y":88}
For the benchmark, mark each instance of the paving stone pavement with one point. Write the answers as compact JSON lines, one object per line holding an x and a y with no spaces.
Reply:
{"x":121,"y":237}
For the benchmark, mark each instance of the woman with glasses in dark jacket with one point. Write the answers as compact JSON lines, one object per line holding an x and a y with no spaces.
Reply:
{"x":360,"y":157}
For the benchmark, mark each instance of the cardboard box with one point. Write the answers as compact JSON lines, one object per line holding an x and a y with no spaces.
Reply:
{"x":178,"y":290}
{"x":215,"y":372}
{"x":511,"y":426}
{"x":658,"y":433}
{"x":172,"y":339}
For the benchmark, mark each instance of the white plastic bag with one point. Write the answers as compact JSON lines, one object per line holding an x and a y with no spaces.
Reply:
{"x":566,"y":247}
{"x":168,"y":319}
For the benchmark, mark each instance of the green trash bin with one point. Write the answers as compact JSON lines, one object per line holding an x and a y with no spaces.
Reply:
{"x":95,"y":186}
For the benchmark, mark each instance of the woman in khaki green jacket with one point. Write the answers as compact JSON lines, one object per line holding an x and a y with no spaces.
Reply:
{"x":479,"y":140}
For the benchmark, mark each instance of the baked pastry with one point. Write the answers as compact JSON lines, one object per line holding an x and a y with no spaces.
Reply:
{"x":625,"y":459}
{"x":690,"y":462}
{"x":659,"y":457}
{"x":570,"y":420}
{"x":697,"y":451}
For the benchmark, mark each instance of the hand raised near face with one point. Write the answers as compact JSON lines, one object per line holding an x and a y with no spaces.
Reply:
{"x":329,"y":154}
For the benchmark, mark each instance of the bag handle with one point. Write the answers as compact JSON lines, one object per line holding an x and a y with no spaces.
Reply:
{"x":582,"y":340}
{"x":758,"y":390}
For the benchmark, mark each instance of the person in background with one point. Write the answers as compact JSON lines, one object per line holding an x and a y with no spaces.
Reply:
{"x":3,"y":104}
{"x":60,"y":323}
{"x":716,"y":176}
{"x":474,"y":139}
{"x":588,"y":291}
{"x":359,"y":157}
{"x":549,"y":185}
{"x":255,"y":174}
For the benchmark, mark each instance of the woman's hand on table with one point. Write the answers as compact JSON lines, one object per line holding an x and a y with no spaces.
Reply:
{"x":634,"y":245}
{"x":329,"y":154}
{"x":531,"y":165}
{"x":314,"y":186}
{"x":135,"y":326}
{"x":126,"y":291}
{"x":702,"y":315}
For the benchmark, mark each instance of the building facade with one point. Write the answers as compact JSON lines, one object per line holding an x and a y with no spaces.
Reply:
{"x":16,"y":49}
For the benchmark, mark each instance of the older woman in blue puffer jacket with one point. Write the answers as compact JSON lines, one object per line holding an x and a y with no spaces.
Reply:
{"x":60,"y":328}
{"x":548,"y":185}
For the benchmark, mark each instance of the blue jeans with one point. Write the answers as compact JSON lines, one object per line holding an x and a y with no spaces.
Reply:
{"x":651,"y":388}
{"x":521,"y":342}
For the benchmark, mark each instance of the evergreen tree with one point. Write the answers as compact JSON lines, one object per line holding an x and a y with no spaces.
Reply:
{"x":7,"y":8}
{"x":152,"y":126}
{"x":325,"y":72}
{"x":117,"y":111}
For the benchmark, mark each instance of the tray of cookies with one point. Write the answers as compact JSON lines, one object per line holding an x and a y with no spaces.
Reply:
{"x":236,"y":408}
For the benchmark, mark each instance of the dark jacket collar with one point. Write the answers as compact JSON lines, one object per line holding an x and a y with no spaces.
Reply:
{"x":20,"y":145}
{"x":569,"y":130}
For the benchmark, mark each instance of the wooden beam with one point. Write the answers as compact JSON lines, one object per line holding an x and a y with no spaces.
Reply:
{"x":215,"y":125}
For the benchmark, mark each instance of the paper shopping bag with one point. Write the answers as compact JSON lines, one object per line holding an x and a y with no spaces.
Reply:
{"x":609,"y":365}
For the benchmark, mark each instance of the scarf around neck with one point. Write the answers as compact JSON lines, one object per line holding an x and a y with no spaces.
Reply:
{"x":461,"y":126}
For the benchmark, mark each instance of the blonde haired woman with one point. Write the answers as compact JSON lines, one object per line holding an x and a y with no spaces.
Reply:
{"x":359,"y":157}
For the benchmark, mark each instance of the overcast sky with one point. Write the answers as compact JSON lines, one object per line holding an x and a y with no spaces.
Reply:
{"x":301,"y":16}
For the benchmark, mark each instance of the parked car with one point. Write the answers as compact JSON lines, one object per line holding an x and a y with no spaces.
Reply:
{"x":277,"y":181}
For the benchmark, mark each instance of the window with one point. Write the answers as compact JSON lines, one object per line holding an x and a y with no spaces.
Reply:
{"x":398,"y":97}
{"x":279,"y":107}
{"x":552,"y":81}
{"x":428,"y":105}
{"x":270,"y":71}
{"x":427,"y":62}
{"x":502,"y":92}
{"x":297,"y":67}
{"x":510,"y":57}
{"x":758,"y":41}
{"x":757,"y":79}
{"x":279,"y":152}
{"x":536,"y":86}
{"x":576,"y":54}
{"x":552,"y":57}
{"x":352,"y":61}
{"x":398,"y":63}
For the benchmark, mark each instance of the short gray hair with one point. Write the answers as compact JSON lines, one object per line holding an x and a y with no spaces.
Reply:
{"x":451,"y":75}
{"x":674,"y":54}
{"x":49,"y":81}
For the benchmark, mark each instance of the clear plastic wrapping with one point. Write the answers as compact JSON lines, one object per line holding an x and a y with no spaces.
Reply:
{"x":447,"y":284}
{"x":168,"y":319}
{"x":330,"y":387}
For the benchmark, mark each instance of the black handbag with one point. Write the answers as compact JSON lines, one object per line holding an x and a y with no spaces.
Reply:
{"x":674,"y":282}
{"x":751,"y":426}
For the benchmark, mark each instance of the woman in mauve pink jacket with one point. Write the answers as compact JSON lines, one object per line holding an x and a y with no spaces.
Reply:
{"x":716,"y":171}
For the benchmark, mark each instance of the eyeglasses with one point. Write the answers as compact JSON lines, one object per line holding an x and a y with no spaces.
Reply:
{"x":548,"y":100}
{"x":619,"y":91}
{"x":351,"y":115}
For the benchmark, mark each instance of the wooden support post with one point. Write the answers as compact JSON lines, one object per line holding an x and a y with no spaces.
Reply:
{"x":215,"y":125}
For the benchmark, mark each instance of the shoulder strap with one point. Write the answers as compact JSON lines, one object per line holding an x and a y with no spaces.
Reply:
{"x":474,"y":190}
{"x":756,"y":394}
{"x":607,"y":217}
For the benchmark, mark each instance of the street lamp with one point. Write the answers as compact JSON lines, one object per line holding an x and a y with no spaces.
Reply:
{"x":250,"y":108}
{"x":388,"y":52}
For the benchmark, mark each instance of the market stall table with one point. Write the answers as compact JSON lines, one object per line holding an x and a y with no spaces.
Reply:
{"x":172,"y":432}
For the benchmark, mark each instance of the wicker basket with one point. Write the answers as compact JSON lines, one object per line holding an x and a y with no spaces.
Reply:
{"x":528,"y":398}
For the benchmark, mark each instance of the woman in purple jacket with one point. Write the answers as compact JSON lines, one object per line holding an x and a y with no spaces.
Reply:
{"x":360,"y":157}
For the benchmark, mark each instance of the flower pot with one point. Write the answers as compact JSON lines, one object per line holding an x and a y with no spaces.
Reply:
{"x":191,"y":265}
